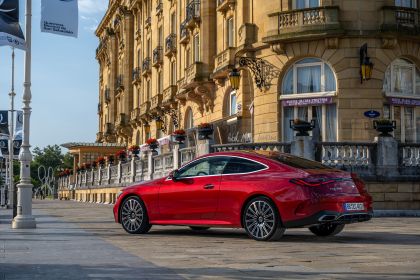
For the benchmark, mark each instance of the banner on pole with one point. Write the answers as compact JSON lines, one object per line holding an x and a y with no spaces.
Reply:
{"x":10,"y":32}
{"x":60,"y":17}
{"x":4,"y":124}
{"x":17,"y":135}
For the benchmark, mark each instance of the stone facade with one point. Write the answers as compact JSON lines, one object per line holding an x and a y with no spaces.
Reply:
{"x":171,"y":59}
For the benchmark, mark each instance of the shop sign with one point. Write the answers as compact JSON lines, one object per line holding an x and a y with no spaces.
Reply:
{"x":372,"y":114}
{"x":404,"y":101}
{"x":239,"y":138}
{"x":301,"y":102}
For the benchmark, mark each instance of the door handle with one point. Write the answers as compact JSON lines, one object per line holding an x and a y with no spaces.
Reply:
{"x":208,"y":187}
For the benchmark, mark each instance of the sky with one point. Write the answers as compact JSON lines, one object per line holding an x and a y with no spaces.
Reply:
{"x":64,"y":78}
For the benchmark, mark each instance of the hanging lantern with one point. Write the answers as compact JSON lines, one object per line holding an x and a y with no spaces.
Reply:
{"x":366,"y":67}
{"x":146,"y":128}
{"x":235,"y":79}
{"x":159,"y":123}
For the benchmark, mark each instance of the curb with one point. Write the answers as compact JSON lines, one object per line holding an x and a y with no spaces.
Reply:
{"x":396,"y":213}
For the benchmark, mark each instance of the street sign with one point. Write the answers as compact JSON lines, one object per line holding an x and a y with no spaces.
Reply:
{"x":372,"y":114}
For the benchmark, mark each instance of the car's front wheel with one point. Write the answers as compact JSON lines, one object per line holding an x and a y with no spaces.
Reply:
{"x":133,"y":216}
{"x":326,"y":229}
{"x":262,"y":220}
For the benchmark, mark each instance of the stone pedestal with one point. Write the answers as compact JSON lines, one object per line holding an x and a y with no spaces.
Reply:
{"x":204,"y":147}
{"x":303,"y":146}
{"x":386,"y":157}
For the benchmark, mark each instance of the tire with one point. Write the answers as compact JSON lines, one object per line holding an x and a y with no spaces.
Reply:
{"x":133,"y":216}
{"x":199,"y":228}
{"x":261,"y":220}
{"x":327,"y":229}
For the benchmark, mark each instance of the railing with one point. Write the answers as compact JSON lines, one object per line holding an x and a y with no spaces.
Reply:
{"x":193,"y":10}
{"x":136,"y":74}
{"x":269,"y":146}
{"x":170,"y":44}
{"x":159,"y":7}
{"x":400,"y":19}
{"x":126,"y":172}
{"x":410,"y":155}
{"x":148,"y":22}
{"x":345,"y":154}
{"x":114,"y":174}
{"x":185,"y":33}
{"x":144,"y":108}
{"x":146,"y":65}
{"x":157,"y":56}
{"x":187,"y":154}
{"x":119,"y":82}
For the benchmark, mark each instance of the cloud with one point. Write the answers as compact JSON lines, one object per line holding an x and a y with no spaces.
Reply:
{"x":93,"y":6}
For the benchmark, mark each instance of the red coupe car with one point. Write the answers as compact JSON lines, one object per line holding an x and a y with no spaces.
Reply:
{"x":263,"y":192}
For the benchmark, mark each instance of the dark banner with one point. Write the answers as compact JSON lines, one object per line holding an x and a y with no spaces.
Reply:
{"x":10,"y":32}
{"x":4,"y":123}
{"x":4,"y":147}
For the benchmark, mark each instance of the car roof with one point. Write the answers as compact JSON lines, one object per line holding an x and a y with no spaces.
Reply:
{"x":257,"y":153}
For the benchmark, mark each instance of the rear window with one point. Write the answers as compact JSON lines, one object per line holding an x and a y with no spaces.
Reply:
{"x":240,"y":165}
{"x":300,"y":163}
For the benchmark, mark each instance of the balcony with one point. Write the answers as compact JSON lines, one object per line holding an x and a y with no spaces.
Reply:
{"x":159,"y":7}
{"x":135,"y":116}
{"x":156,"y":102}
{"x":193,"y":74}
{"x":157,"y":57}
{"x":304,"y":24}
{"x":223,"y":62}
{"x":225,"y":5}
{"x":170,"y":45}
{"x":144,"y":110}
{"x":148,"y":22}
{"x":185,"y":33}
{"x":109,"y":129}
{"x":400,"y":20}
{"x":136,"y":76}
{"x":119,"y":85}
{"x":193,"y":13}
{"x":146,"y":67}
{"x":122,"y":120}
{"x":107,"y":94}
{"x":169,"y":95}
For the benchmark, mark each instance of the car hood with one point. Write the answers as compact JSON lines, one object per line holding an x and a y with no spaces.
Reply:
{"x":144,"y":184}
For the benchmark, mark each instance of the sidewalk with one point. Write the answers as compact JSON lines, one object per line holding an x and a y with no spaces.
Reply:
{"x":61,"y":250}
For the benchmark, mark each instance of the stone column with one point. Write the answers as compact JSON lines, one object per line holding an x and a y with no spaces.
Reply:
{"x":133,"y":169}
{"x":303,"y":146}
{"x":204,"y":147}
{"x":386,"y":157}
{"x":176,"y":157}
{"x":150,"y":164}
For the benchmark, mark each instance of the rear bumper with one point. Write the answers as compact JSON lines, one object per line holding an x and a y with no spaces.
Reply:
{"x":323,"y":217}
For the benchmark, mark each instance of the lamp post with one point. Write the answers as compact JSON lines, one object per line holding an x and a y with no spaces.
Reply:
{"x":24,"y":218}
{"x":12,"y":94}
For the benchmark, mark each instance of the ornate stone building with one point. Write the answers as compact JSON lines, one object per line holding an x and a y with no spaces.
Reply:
{"x":170,"y":60}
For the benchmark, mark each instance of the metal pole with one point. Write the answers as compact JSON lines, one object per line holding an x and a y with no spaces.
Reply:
{"x":24,"y":218}
{"x":12,"y":95}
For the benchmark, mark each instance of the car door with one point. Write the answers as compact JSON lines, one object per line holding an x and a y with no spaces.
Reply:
{"x":194,"y":194}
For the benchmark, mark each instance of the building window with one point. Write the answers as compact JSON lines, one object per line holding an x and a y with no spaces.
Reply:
{"x":406,"y":3}
{"x":173,"y":23}
{"x":232,"y":104}
{"x":303,"y":4}
{"x":196,"y":48}
{"x":160,"y":82}
{"x":309,"y":75}
{"x":402,"y":81}
{"x":160,"y":38}
{"x":173,"y":73}
{"x":149,"y":89}
{"x":402,"y":78}
{"x":310,"y":78}
{"x":149,"y":47}
{"x":188,"y":57}
{"x":230,"y":33}
{"x":189,"y":119}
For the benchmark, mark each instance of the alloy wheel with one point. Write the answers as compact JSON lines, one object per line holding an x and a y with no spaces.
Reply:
{"x":260,"y":219}
{"x":132,"y":215}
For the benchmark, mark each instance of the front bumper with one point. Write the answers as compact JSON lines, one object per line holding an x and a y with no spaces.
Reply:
{"x":324,"y":217}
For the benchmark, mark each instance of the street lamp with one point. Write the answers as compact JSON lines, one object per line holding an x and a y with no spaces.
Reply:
{"x":366,"y":67}
{"x":146,"y":128}
{"x":159,"y":123}
{"x":235,"y":79}
{"x":24,"y":218}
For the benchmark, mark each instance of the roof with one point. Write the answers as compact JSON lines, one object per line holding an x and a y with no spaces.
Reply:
{"x":72,"y":145}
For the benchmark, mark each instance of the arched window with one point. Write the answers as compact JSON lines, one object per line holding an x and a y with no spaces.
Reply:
{"x":232,"y":103}
{"x":402,"y":88}
{"x":307,"y":94}
{"x":189,"y":119}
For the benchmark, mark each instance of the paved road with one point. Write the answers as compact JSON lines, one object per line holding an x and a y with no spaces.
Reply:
{"x":80,"y":241}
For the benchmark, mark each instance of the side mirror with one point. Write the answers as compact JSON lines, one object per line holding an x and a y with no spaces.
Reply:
{"x":173,"y":175}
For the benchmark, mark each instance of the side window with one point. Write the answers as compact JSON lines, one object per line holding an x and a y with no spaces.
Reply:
{"x":203,"y":167}
{"x":240,"y":165}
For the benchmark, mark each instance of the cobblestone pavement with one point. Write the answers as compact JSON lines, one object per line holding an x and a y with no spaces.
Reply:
{"x":86,"y":239}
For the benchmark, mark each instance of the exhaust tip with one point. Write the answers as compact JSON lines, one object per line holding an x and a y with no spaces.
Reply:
{"x":327,"y":218}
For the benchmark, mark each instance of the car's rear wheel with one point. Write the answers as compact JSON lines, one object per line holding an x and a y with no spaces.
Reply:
{"x":133,"y":216}
{"x":199,"y":228}
{"x":327,"y":229}
{"x":261,"y":220}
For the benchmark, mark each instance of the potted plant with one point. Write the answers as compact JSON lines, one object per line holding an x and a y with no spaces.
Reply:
{"x":101,"y":161}
{"x":152,"y":143}
{"x":94,"y":164}
{"x":134,"y":150}
{"x":110,"y":159}
{"x":302,"y":127}
{"x":204,"y":130}
{"x":179,"y":135}
{"x":88,"y":166}
{"x":384,"y":126}
{"x":121,"y":155}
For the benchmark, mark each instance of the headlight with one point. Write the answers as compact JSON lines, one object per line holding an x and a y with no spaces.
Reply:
{"x":119,"y":194}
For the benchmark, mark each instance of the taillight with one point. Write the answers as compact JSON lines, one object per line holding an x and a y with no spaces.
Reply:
{"x":312,"y":181}
{"x":359,"y":183}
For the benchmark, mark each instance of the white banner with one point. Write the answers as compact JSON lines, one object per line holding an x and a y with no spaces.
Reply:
{"x":17,"y":135}
{"x":60,"y":17}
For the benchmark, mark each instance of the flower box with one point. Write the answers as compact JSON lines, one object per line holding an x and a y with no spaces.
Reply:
{"x":302,"y":127}
{"x":204,"y":131}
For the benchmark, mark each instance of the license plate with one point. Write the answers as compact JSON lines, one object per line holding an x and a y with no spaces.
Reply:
{"x":354,"y":206}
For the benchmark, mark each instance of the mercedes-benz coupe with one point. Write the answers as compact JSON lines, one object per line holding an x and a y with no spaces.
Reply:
{"x":263,"y":192}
